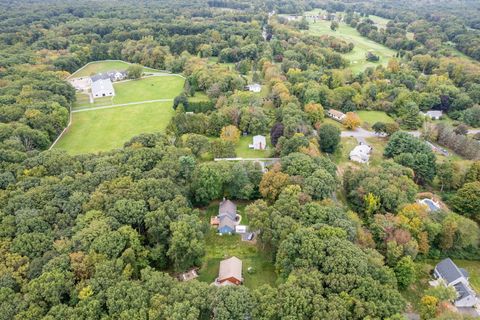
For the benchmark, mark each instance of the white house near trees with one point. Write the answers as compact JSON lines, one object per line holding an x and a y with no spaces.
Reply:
{"x":361,"y":153}
{"x":255,"y":87}
{"x":102,"y":88}
{"x":451,"y":275}
{"x":433,"y":114}
{"x":259,"y":143}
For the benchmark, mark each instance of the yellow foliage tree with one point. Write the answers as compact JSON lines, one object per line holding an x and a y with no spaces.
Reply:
{"x":352,"y":120}
{"x":230,"y":133}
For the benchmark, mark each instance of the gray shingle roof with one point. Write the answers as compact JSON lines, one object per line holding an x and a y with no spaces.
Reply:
{"x":226,"y":221}
{"x":227,"y":208}
{"x":230,"y":268}
{"x":462,"y":290}
{"x":448,"y":270}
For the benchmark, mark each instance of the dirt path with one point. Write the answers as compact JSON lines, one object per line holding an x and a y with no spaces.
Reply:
{"x":85,"y":109}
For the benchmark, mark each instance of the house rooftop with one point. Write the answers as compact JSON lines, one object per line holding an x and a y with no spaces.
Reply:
{"x":230,"y":268}
{"x":448,"y":270}
{"x":336,"y":113}
{"x":462,"y":290}
{"x":228,"y":208}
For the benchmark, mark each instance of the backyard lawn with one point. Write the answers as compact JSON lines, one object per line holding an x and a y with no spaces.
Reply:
{"x":243,"y":151}
{"x":371,"y":117}
{"x":151,"y":88}
{"x":363,"y":45}
{"x":103,"y":66}
{"x":106,"y":129}
{"x":223,"y":247}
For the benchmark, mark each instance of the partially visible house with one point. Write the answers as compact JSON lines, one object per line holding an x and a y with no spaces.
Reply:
{"x":230,"y":272}
{"x":227,"y":217}
{"x":448,"y":272}
{"x":361,"y":153}
{"x":255,"y":87}
{"x":433,"y":114}
{"x":81,"y":84}
{"x":335,"y":114}
{"x":189,"y":275}
{"x":259,"y":143}
{"x":431,"y":204}
{"x":102,"y":88}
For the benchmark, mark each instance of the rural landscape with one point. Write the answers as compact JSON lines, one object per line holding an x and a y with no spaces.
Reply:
{"x":234,"y":159}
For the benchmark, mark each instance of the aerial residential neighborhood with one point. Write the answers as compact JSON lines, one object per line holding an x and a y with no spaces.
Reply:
{"x":240,"y":160}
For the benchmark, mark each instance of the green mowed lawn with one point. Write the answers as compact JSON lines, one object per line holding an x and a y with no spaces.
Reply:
{"x":371,"y":117}
{"x":362,"y":44}
{"x":104,"y":66}
{"x":102,"y":130}
{"x":243,"y":151}
{"x":151,"y":88}
{"x":222,"y":247}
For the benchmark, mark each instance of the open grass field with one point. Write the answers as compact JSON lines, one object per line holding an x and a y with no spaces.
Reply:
{"x":356,"y":57}
{"x":102,"y":130}
{"x":371,"y":117}
{"x":222,"y":247}
{"x":151,"y":88}
{"x":242,"y":150}
{"x":103,"y":66}
{"x":342,"y":154}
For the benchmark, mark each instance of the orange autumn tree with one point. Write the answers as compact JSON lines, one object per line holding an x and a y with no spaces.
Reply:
{"x":352,"y":121}
{"x":230,"y":133}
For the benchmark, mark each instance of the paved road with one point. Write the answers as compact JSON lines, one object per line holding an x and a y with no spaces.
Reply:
{"x":361,"y":134}
{"x":85,"y":108}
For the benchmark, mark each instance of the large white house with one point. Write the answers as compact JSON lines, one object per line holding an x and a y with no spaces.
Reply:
{"x":447,"y":272}
{"x":102,"y":88}
{"x":361,"y":153}
{"x":255,"y":87}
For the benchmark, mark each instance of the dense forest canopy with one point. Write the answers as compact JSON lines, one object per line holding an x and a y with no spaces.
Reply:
{"x":105,"y":235}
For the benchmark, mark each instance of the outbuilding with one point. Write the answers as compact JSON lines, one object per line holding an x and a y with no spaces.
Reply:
{"x":102,"y":88}
{"x":230,"y":272}
{"x":259,"y":143}
{"x":336,"y":115}
{"x":361,"y":153}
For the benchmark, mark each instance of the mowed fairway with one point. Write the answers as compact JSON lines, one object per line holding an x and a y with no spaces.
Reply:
{"x":107,"y":129}
{"x":362,"y":44}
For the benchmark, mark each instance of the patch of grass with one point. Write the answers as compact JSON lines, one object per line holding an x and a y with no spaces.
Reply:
{"x":343,"y":153}
{"x":378,"y":144}
{"x":223,"y":247}
{"x":362,"y":44}
{"x":199,"y":96}
{"x":414,"y":293}
{"x":370,"y":117}
{"x":151,"y":88}
{"x":473,"y":268}
{"x":333,"y":122}
{"x":104,"y":66}
{"x":243,"y":151}
{"x":106,"y":129}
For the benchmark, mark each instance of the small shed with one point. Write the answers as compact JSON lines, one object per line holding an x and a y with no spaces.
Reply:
{"x":255,"y":87}
{"x":335,"y":114}
{"x":240,"y":229}
{"x":259,"y":143}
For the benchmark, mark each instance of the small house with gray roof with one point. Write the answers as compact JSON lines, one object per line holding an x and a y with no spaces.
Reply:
{"x":230,"y":272}
{"x":227,"y":217}
{"x":451,"y":275}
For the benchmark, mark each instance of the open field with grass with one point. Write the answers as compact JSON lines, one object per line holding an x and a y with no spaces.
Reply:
{"x":244,"y":151}
{"x":222,"y":247}
{"x":363,"y":45}
{"x":104,"y":66}
{"x":371,"y":117}
{"x":150,"y":88}
{"x":342,"y":154}
{"x":102,"y":130}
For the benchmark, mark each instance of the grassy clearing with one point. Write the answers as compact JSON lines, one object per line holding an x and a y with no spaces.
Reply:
{"x":242,"y":150}
{"x":363,"y":45}
{"x":371,"y":117}
{"x":342,"y":154}
{"x":222,"y":247}
{"x":151,"y":88}
{"x":378,"y":145}
{"x":104,"y":66}
{"x":333,"y":122}
{"x":106,"y":129}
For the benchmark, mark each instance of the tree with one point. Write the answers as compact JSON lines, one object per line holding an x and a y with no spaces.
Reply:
{"x":134,"y":71}
{"x":352,"y":121}
{"x":405,"y":272}
{"x":315,"y":113}
{"x":379,"y":127}
{"x":329,"y":138}
{"x":207,"y":182}
{"x":231,"y":134}
{"x":197,"y":143}
{"x":273,"y":182}
{"x":473,"y":173}
{"x":232,"y":303}
{"x":334,"y":25}
{"x":467,"y":200}
{"x":187,"y":244}
{"x":428,"y":307}
{"x":276,"y":132}
{"x":320,"y":185}
{"x":461,"y":129}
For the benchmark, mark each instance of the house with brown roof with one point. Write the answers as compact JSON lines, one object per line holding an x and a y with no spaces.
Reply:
{"x":336,"y":115}
{"x":230,"y":272}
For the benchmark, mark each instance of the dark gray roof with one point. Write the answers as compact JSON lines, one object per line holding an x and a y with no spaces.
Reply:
{"x":227,"y":208}
{"x":226,"y":221}
{"x":464,"y":272}
{"x":100,"y":76}
{"x":462,"y":290}
{"x":448,"y":270}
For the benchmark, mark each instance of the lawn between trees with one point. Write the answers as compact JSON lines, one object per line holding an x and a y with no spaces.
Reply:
{"x":362,"y":45}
